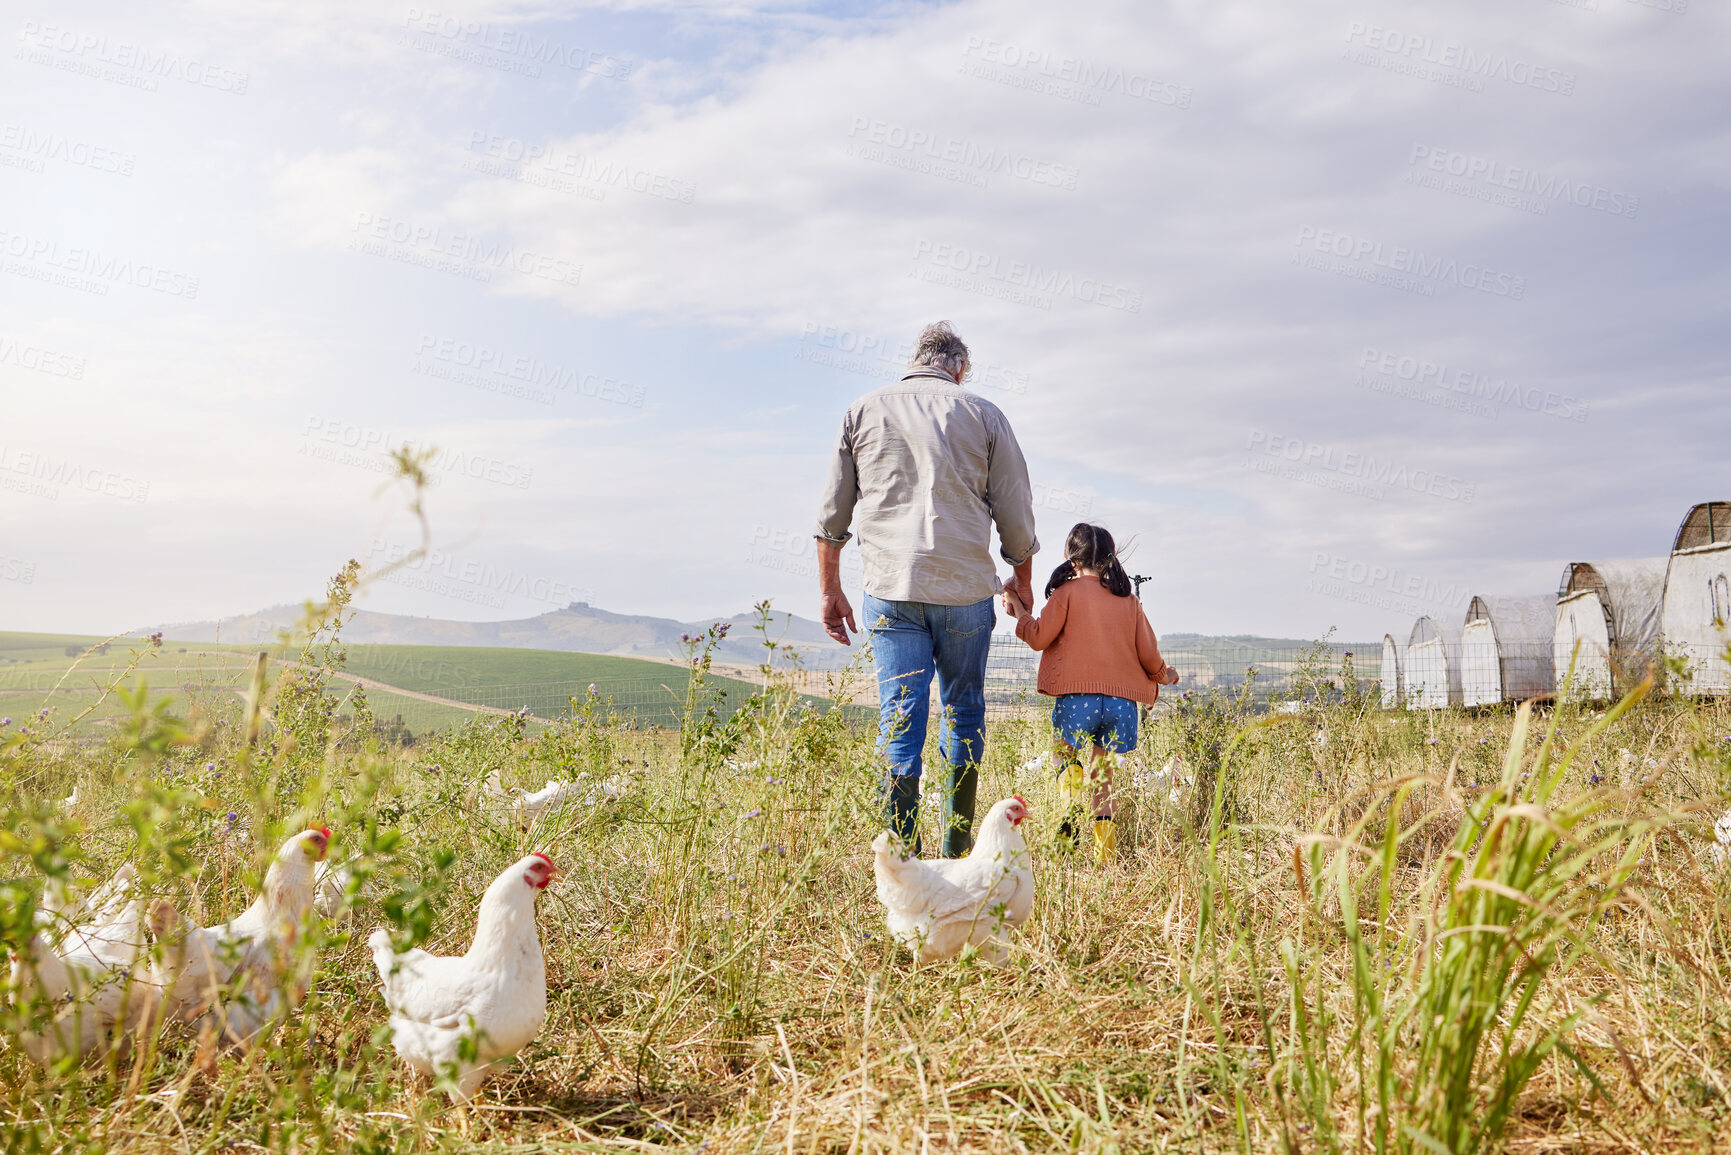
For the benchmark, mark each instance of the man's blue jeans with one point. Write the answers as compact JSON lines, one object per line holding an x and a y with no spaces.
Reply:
{"x":910,"y":642}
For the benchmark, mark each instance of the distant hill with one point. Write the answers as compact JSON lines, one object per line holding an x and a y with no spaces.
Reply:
{"x":578,"y":628}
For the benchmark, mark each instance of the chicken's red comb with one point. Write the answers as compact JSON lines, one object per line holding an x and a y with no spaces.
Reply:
{"x":324,"y":830}
{"x":1020,"y":799}
{"x":542,"y":856}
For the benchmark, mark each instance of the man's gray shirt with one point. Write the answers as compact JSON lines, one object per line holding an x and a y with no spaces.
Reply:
{"x":927,"y":468}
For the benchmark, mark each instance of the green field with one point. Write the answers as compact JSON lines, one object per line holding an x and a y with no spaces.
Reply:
{"x":38,"y":670}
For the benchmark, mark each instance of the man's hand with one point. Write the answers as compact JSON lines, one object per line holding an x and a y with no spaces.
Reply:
{"x":836,"y":611}
{"x":1013,"y":605}
{"x":1024,"y":583}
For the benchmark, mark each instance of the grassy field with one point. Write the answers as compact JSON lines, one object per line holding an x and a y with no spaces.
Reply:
{"x":35,"y":666}
{"x":1357,"y":930}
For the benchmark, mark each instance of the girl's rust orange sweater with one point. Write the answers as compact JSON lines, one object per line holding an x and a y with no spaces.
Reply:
{"x":1094,"y":642}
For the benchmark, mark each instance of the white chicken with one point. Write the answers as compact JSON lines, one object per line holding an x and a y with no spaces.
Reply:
{"x":1040,"y":769}
{"x":1720,"y":851}
{"x":463,"y":1014}
{"x":935,"y":908}
{"x":1173,"y":778}
{"x":77,"y":972}
{"x":240,"y":973}
{"x":529,"y":805}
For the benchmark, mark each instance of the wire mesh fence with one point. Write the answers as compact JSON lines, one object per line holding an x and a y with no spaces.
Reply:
{"x":1432,"y":675}
{"x":1265,"y":672}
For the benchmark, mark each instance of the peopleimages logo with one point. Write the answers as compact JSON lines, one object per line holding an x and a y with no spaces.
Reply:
{"x":895,"y":141}
{"x":342,"y":442}
{"x":471,"y":579}
{"x":26,"y":355}
{"x":43,"y":146}
{"x":1470,"y":383}
{"x":794,"y":552}
{"x":1062,"y":499}
{"x":1020,"y":281}
{"x":1412,"y":262}
{"x":17,"y":570}
{"x":1382,"y":586}
{"x":539,"y":380}
{"x":1495,"y":175}
{"x":519,"y":160}
{"x":431,"y":245}
{"x":1364,"y":468}
{"x":91,"y":50}
{"x":1462,"y":66}
{"x":40,"y":474}
{"x":523,"y":50}
{"x":88,"y":269}
{"x":1076,"y":79}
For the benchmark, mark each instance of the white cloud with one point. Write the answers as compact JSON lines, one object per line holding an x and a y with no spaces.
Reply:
{"x":750,"y":179}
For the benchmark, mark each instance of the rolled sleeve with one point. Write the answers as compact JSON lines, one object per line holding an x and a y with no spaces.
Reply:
{"x":840,"y":491}
{"x":1011,"y":496}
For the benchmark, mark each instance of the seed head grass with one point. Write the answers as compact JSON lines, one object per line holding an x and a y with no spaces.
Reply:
{"x":1512,"y":937}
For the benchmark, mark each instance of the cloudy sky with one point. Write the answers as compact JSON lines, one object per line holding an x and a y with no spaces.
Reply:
{"x":1341,"y":311}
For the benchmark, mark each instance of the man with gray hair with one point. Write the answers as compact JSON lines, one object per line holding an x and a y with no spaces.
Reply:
{"x":927,"y":468}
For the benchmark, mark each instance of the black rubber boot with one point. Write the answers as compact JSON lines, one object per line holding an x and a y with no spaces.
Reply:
{"x":1070,"y":783}
{"x":1066,"y":840}
{"x":958,"y":810}
{"x":902,"y":809}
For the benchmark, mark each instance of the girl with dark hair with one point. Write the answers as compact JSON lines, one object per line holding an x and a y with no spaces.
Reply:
{"x":1099,"y":658}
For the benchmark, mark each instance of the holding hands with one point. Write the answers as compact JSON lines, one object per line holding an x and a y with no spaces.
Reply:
{"x":1019,"y":593}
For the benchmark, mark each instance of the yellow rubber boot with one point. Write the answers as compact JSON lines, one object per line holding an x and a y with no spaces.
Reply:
{"x":1105,"y":840}
{"x":1072,"y":781}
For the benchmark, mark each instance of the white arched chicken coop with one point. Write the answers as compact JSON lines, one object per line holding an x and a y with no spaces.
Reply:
{"x":1697,"y":602}
{"x":1393,"y":679}
{"x":1506,"y":649}
{"x":1431,"y":676}
{"x":1611,"y":610}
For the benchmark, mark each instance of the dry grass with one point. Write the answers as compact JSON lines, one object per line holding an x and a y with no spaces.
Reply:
{"x":721,"y":980}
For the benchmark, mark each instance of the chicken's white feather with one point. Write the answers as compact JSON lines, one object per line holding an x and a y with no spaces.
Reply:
{"x":494,"y":997}
{"x":939,"y":907}
{"x":244,"y":974}
{"x":76,"y":973}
